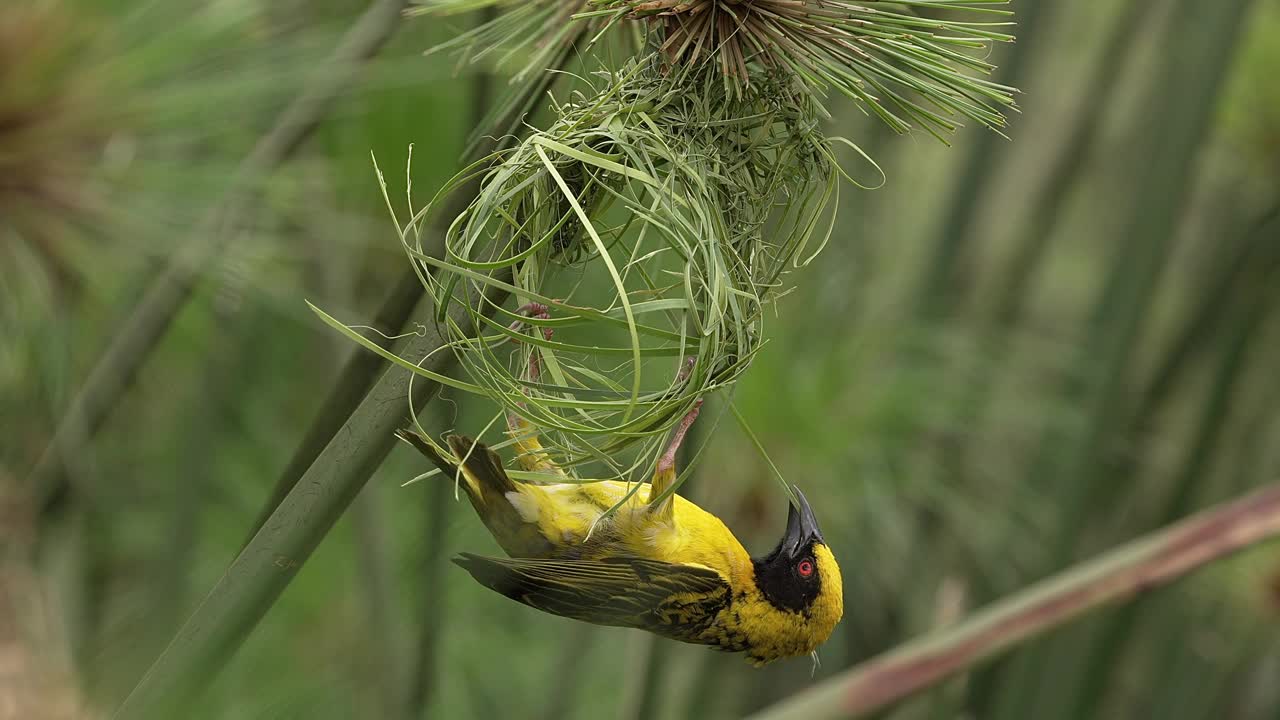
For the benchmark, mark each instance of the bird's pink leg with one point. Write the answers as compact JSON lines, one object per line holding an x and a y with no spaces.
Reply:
{"x":529,"y":451}
{"x":665,"y":472}
{"x":540,"y":312}
{"x":667,"y":462}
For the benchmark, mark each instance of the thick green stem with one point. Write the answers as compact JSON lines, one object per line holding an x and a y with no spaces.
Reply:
{"x":706,"y":696}
{"x":422,"y":679}
{"x":1257,"y":249}
{"x":956,"y":230}
{"x":1114,"y":635}
{"x":377,"y":589}
{"x":1067,"y":163}
{"x":1046,"y":203}
{"x":1253,"y":252}
{"x":1134,"y":568}
{"x":565,"y":678}
{"x":361,"y":369}
{"x":1183,"y":93}
{"x":261,"y":572}
{"x":1187,"y":87}
{"x":652,"y":682}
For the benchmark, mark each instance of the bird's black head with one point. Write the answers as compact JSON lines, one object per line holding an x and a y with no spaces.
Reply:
{"x":789,"y":577}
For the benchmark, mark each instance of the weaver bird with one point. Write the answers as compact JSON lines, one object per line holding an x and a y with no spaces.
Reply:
{"x":659,"y":563}
{"x":662,"y":565}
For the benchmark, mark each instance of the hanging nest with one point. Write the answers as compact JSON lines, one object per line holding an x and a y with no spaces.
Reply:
{"x":653,"y":222}
{"x":644,"y":233}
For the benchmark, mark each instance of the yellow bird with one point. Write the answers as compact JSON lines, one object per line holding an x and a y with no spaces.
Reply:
{"x":662,"y":565}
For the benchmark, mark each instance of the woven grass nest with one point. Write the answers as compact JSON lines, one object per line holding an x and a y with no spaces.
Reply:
{"x":646,"y":230}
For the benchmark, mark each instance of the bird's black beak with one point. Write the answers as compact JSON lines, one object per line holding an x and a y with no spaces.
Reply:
{"x":802,"y":526}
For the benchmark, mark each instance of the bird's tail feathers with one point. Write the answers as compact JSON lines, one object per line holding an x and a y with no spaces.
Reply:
{"x":481,"y":467}
{"x":481,"y":463}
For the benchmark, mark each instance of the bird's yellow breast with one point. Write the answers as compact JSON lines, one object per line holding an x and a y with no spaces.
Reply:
{"x":571,"y":517}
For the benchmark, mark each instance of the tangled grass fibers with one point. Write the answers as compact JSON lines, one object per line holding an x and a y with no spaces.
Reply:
{"x":654,"y":221}
{"x":645,"y":232}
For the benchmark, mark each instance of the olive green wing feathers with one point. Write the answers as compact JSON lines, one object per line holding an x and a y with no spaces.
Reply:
{"x":676,"y":601}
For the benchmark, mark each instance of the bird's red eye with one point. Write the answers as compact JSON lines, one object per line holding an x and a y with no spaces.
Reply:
{"x":805,"y":568}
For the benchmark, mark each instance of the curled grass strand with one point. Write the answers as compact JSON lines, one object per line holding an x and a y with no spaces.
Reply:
{"x":692,"y":203}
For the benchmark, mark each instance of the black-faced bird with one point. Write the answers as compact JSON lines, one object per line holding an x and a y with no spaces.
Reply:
{"x":658,"y":563}
{"x":668,"y":567}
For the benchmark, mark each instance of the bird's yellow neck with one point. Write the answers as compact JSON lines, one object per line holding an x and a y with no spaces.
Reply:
{"x":774,"y":631}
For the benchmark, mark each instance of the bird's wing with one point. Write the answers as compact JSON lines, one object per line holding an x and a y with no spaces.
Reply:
{"x":676,"y":601}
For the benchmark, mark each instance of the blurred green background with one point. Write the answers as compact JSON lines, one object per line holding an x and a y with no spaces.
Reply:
{"x":1014,"y":355}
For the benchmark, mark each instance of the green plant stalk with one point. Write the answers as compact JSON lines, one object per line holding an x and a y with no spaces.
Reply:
{"x":707,"y":686}
{"x":1196,"y":686}
{"x":117,"y":368}
{"x":424,"y":666}
{"x":378,"y":593}
{"x":565,"y":677}
{"x":1067,"y":163}
{"x":424,"y":669}
{"x":1257,"y":249}
{"x":1173,"y":364}
{"x":932,"y":296}
{"x":1116,"y":630}
{"x":652,"y":681}
{"x":1196,"y":335}
{"x":641,"y":661}
{"x":1047,"y":203}
{"x":362,"y":367}
{"x":1185,"y":89}
{"x":230,"y":353}
{"x":1277,"y":711}
{"x":347,"y":390}
{"x":864,"y":257}
{"x":100,"y":543}
{"x":1255,"y":435}
{"x":956,"y":230}
{"x":1250,"y":253}
{"x":1121,"y":574}
{"x":265,"y":567}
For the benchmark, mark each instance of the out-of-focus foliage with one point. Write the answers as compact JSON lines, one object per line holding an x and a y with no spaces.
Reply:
{"x":938,"y":444}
